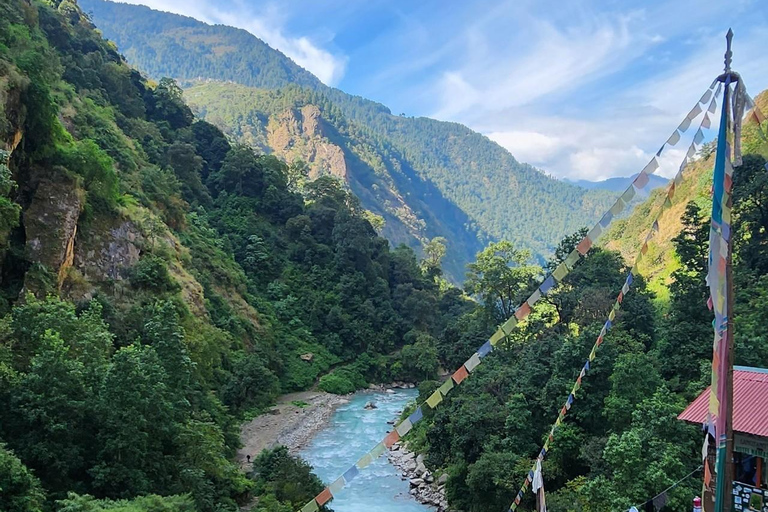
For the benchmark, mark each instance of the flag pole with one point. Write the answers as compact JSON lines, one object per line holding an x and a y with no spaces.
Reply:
{"x":724,"y":470}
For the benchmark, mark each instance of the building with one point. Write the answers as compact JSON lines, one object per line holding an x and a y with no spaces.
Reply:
{"x":750,"y":432}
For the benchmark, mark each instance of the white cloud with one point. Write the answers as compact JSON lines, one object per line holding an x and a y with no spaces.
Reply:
{"x":325,"y":65}
{"x":531,"y":147}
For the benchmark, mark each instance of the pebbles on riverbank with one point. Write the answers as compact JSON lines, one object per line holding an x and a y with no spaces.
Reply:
{"x":288,"y":424}
{"x":425,"y":488}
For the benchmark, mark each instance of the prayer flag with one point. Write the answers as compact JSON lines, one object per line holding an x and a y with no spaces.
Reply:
{"x":352,"y":472}
{"x":310,"y":507}
{"x":618,"y":206}
{"x":684,"y":125}
{"x":698,"y":137}
{"x":324,"y":497}
{"x":641,"y":181}
{"x":695,"y":111}
{"x":706,"y":122}
{"x":705,"y":97}
{"x":337,"y":485}
{"x":459,"y":375}
{"x":364,"y":461}
{"x":472,"y":362}
{"x":418,"y":414}
{"x":393,"y":436}
{"x":606,"y":219}
{"x":628,"y":194}
{"x":572,"y":258}
{"x":559,"y":274}
{"x":651,"y":167}
{"x":378,"y":450}
{"x":534,"y":298}
{"x":404,"y":427}
{"x":584,"y":246}
{"x":547,"y":285}
{"x":485,"y":349}
{"x":446,"y":388}
{"x":674,"y":138}
{"x":523,"y":311}
{"x":596,"y":231}
{"x":497,"y":336}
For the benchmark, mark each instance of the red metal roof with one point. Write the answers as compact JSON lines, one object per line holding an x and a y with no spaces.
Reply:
{"x":750,"y":402}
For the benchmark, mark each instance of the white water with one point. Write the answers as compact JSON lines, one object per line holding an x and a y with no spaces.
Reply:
{"x":351,"y":433}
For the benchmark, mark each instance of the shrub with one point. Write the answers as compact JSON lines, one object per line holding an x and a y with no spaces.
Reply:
{"x":151,"y":273}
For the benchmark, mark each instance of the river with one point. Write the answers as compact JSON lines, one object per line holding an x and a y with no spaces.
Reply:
{"x":351,"y":432}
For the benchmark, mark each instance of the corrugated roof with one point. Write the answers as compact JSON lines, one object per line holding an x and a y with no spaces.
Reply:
{"x":750,"y":402}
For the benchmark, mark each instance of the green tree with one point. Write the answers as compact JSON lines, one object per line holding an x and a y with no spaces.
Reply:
{"x":501,"y":276}
{"x":20,"y":490}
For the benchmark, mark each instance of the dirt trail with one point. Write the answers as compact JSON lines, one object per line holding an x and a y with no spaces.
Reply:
{"x":287,"y":424}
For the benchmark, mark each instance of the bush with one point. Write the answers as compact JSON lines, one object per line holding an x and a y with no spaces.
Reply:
{"x":342,"y":381}
{"x":151,"y":273}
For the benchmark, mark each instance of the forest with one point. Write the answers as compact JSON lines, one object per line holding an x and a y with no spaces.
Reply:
{"x":448,"y":155}
{"x":162,"y":283}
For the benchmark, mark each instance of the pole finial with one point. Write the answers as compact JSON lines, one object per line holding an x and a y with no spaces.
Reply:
{"x":728,"y":52}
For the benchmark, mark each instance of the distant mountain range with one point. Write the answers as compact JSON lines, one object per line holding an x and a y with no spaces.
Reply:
{"x":427,"y":178}
{"x":619,"y":184}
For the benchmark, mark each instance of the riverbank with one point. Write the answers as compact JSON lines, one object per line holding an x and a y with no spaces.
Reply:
{"x":292,"y":422}
{"x":425,"y":488}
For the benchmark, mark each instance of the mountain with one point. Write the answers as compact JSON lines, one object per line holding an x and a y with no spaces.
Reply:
{"x":159,"y":284}
{"x":619,"y":184}
{"x":495,"y":195}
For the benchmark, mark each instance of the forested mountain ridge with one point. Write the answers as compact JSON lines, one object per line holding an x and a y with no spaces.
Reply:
{"x":500,"y":196}
{"x":302,"y":127}
{"x":158,"y":284}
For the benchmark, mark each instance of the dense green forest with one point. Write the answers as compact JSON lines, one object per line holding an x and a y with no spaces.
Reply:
{"x":621,"y":444}
{"x":159,"y":284}
{"x":449,"y":157}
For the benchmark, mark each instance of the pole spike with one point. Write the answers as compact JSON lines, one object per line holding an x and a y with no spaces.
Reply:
{"x":728,"y":52}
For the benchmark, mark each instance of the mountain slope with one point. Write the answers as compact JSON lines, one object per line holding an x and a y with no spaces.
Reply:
{"x":501,"y":197}
{"x":619,"y":184}
{"x":303,"y":127}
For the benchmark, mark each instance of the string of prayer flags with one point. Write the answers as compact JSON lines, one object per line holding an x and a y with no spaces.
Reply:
{"x":562,"y":270}
{"x":612,"y":314}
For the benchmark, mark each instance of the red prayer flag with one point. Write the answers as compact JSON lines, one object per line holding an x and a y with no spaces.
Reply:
{"x":584,"y":246}
{"x":460,"y":374}
{"x":391,"y":438}
{"x":523,"y":311}
{"x":324,"y":497}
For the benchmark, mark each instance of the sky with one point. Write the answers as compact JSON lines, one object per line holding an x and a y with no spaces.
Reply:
{"x":582,"y":89}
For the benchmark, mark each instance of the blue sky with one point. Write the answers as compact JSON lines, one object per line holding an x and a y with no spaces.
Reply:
{"x":582,"y":89}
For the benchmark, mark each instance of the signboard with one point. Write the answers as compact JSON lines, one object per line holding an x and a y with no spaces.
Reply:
{"x":747,"y":498}
{"x":751,"y":445}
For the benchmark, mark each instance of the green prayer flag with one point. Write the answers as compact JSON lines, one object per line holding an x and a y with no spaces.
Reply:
{"x":378,"y":450}
{"x":310,"y":507}
{"x":446,"y":387}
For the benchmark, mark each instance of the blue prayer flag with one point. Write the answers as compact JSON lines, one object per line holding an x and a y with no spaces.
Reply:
{"x":485,"y":349}
{"x":547,"y":284}
{"x":416,"y":416}
{"x":351,"y":473}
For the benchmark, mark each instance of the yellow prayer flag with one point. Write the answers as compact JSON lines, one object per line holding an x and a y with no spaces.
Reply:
{"x":434,"y":399}
{"x":364,"y":461}
{"x":560,"y":272}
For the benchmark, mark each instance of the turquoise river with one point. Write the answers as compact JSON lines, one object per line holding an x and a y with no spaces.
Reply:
{"x":351,"y":432}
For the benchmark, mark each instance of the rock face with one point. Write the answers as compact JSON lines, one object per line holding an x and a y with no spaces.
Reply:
{"x":303,"y":134}
{"x":50,"y":224}
{"x":109,"y":254}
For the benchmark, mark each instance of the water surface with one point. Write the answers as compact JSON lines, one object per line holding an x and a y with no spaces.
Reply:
{"x":351,"y":433}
